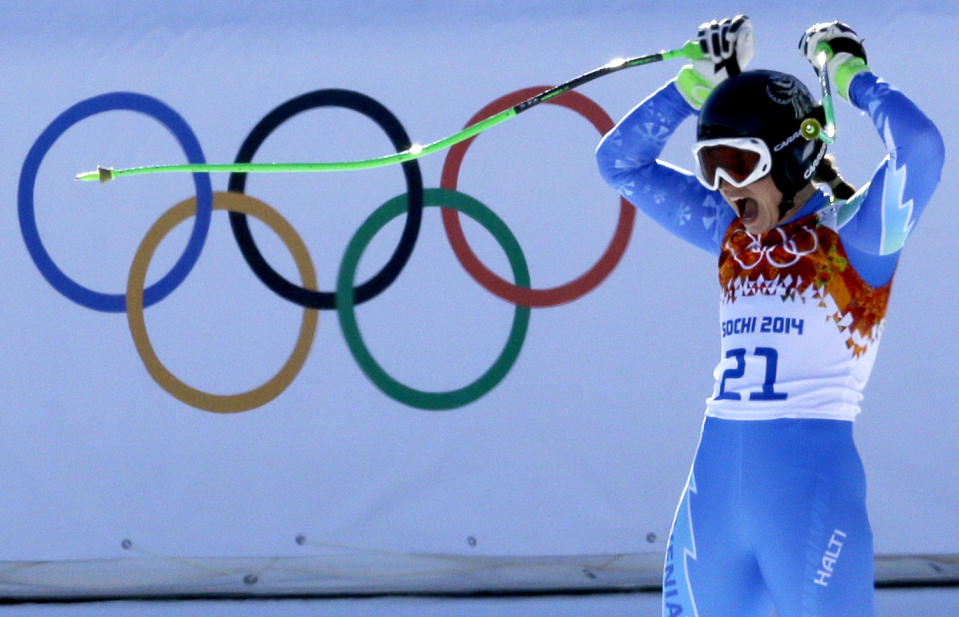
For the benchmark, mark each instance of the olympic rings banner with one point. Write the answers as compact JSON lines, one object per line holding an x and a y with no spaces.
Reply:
{"x":484,"y":351}
{"x":152,"y":360}
{"x":347,"y":294}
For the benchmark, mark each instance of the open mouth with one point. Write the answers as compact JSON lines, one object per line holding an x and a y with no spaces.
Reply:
{"x":747,"y":208}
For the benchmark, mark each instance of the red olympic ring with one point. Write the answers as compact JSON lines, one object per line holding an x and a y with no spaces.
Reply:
{"x":498,"y":286}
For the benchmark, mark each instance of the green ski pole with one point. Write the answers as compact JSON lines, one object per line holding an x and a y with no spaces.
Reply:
{"x":690,"y":50}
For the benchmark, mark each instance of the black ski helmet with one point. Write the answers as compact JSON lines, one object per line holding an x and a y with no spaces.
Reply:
{"x":771,"y":106}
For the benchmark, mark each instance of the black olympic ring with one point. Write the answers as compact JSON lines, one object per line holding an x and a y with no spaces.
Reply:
{"x":414,"y":183}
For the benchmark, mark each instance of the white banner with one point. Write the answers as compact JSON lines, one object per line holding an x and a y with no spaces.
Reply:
{"x":213,"y":415}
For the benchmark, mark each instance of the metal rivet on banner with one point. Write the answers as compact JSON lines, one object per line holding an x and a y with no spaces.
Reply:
{"x":471,"y":541}
{"x":651,"y":537}
{"x":250,"y":579}
{"x":126,"y":544}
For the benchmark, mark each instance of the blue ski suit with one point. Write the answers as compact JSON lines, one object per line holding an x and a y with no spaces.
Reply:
{"x":773,"y":512}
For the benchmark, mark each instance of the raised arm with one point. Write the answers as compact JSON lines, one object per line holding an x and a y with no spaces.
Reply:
{"x":882,"y":214}
{"x":628,"y":154}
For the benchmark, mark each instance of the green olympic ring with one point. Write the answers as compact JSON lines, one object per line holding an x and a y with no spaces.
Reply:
{"x":434,"y":401}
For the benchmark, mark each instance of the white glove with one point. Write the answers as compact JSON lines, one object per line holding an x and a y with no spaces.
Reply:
{"x":848,"y":55}
{"x":727,"y":46}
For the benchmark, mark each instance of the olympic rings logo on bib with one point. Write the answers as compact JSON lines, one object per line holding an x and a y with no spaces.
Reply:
{"x":782,"y":254}
{"x":305,"y":292}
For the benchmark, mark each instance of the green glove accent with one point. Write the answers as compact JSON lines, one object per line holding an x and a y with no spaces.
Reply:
{"x":845,"y":72}
{"x":694,"y":87}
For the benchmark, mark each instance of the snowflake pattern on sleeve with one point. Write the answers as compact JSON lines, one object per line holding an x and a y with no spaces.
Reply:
{"x":671,"y":196}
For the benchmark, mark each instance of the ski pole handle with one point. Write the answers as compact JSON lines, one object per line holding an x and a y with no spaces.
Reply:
{"x":810,"y":127}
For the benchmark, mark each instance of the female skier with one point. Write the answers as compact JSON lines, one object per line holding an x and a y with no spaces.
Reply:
{"x":773,"y":513}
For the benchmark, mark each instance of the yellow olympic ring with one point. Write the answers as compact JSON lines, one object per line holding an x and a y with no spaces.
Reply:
{"x":231,"y":403}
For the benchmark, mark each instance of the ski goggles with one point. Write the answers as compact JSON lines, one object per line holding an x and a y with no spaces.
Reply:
{"x":737,"y":160}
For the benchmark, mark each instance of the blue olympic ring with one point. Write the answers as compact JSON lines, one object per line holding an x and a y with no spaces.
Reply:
{"x":114,"y":303}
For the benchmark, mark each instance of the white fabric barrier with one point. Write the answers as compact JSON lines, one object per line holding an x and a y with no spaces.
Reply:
{"x":581,"y":448}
